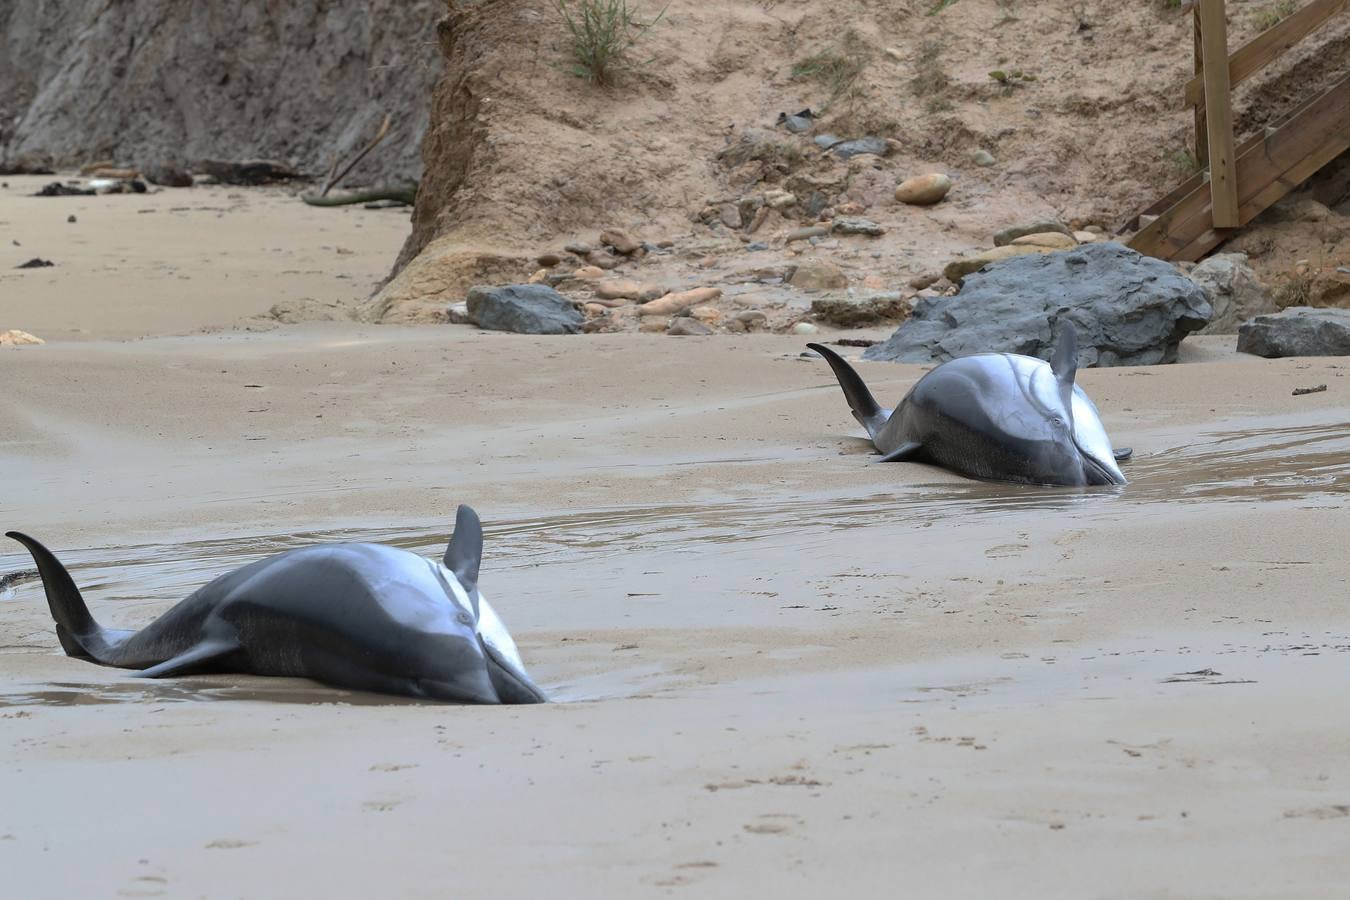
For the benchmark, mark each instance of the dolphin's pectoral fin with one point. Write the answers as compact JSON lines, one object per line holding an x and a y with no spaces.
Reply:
{"x":1122,"y":453}
{"x":197,"y":658}
{"x":905,"y":451}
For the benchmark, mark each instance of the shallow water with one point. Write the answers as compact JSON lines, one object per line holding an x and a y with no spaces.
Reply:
{"x":618,"y":563}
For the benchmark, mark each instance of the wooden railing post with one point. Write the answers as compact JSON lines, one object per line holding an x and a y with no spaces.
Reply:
{"x":1218,"y":114}
{"x":1201,"y":126}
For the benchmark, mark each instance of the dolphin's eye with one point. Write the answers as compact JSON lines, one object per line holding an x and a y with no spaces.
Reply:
{"x":1058,"y":421}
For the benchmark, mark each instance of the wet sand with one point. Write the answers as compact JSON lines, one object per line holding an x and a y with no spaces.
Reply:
{"x":784,"y":671}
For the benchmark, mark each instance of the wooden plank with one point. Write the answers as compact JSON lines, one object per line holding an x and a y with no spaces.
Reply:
{"x":1201,"y":127}
{"x":1269,"y":45}
{"x":1218,"y":114}
{"x":1320,"y":123}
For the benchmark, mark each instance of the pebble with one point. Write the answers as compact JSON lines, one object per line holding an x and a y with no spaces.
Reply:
{"x":708,"y":314}
{"x":805,"y":234}
{"x":595,"y":309}
{"x":818,"y":275}
{"x":621,"y":289}
{"x":757,"y":245}
{"x":621,"y":241}
{"x":589,"y":273}
{"x":15,"y":337}
{"x":730,"y":215}
{"x":679,"y":301}
{"x":653,"y":324}
{"x":779,"y":199}
{"x":856,"y":225}
{"x":70,"y":218}
{"x":604,"y":259}
{"x":540,"y":275}
{"x":684,"y":326}
{"x":1052,"y":239}
{"x":578,"y":248}
{"x":1007,"y":235}
{"x":652,"y":292}
{"x":982,"y":158}
{"x":927,"y":279}
{"x":923,"y":190}
{"x":804,"y":328}
{"x":1086,"y":237}
{"x":549,"y":260}
{"x":752,"y":318}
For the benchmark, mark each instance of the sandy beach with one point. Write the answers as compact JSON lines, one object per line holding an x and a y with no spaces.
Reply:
{"x":782,"y":670}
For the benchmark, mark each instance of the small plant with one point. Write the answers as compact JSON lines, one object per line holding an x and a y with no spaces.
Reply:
{"x":1186,"y":163}
{"x":1296,"y":290}
{"x":1275,"y":13}
{"x":1014,"y":79}
{"x":929,"y":76}
{"x":837,"y":68}
{"x":603,"y":33}
{"x":938,"y":6}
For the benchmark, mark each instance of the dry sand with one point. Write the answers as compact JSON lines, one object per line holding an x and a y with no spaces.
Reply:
{"x":784,"y":671}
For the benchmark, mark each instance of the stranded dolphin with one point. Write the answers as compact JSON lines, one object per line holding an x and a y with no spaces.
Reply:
{"x":1000,"y":416}
{"x":361,"y":616}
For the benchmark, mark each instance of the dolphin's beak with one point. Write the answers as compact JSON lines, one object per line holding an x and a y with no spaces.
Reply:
{"x":1100,"y":472}
{"x":510,"y":682}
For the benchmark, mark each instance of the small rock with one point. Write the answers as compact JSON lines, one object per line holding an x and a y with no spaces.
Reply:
{"x":779,"y":199}
{"x":14,"y":338}
{"x":1296,"y":331}
{"x":1086,"y":237}
{"x":539,"y":276}
{"x":578,"y":248}
{"x":982,"y":158}
{"x":523,"y":309}
{"x":927,"y":279}
{"x":752,"y":319}
{"x":730,"y":215}
{"x":861,"y":146}
{"x":684,"y":326}
{"x":621,"y":241}
{"x":595,"y":309}
{"x":804,"y":328}
{"x":796,"y":122}
{"x":71,"y":218}
{"x":708,"y":314}
{"x":458,"y":314}
{"x":35,"y":263}
{"x":652,"y":292}
{"x":653,"y":324}
{"x":856,"y":225}
{"x":818,"y":275}
{"x":958,"y":269}
{"x":621,"y":289}
{"x":589,"y":273}
{"x":1051,"y":239}
{"x":549,"y":260}
{"x":603,"y":259}
{"x":850,"y":313}
{"x":805,"y":234}
{"x":1040,"y":226}
{"x":674,"y":303}
{"x":923,"y":190}
{"x":1095,"y":229}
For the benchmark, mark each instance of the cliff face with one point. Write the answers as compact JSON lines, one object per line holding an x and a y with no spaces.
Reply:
{"x":146,"y":81}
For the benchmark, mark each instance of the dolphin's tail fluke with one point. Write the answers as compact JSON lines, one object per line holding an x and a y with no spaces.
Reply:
{"x":860,"y":399}
{"x":79,"y":634}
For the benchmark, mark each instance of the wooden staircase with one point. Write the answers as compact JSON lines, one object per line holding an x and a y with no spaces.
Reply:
{"x":1237,"y":182}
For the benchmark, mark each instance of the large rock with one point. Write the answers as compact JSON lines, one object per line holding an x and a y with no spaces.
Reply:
{"x":1128,"y":309}
{"x":1297,"y":331}
{"x":1232,"y":290}
{"x":524,"y":309}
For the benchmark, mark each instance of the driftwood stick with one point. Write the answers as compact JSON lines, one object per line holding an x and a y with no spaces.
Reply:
{"x":333,"y":180}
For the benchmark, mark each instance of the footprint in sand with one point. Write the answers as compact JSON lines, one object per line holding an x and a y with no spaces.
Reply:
{"x":772,"y":823}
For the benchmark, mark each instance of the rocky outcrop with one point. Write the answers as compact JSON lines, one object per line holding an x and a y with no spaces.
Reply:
{"x":1297,"y":331}
{"x":155,"y":81}
{"x":1232,"y":290}
{"x":1128,"y":310}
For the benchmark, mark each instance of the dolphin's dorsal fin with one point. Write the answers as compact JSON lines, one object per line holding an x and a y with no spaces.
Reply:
{"x":1064,"y":363}
{"x":466,"y":548}
{"x":1064,"y":359}
{"x":865,"y":408}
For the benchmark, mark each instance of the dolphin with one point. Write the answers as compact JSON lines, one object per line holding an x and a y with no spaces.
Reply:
{"x":363,"y":616}
{"x":996,"y":416}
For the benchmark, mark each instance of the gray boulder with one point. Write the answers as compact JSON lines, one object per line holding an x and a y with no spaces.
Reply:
{"x":1297,"y":331}
{"x":524,"y":309}
{"x":1128,"y":309}
{"x":1232,"y":290}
